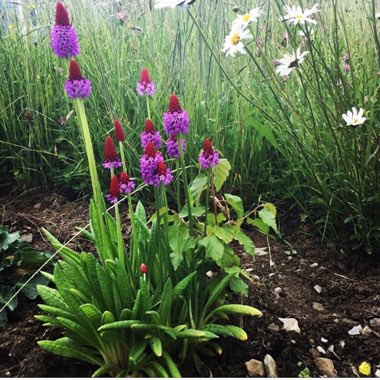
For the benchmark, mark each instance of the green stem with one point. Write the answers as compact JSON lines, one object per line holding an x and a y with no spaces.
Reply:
{"x":122,"y":154}
{"x":186,"y":184}
{"x":120,"y":243}
{"x":147,"y":106}
{"x":207,"y":199}
{"x":178,"y":187}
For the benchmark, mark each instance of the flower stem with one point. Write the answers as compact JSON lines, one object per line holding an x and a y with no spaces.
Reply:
{"x":186,"y":184}
{"x":207,"y":198}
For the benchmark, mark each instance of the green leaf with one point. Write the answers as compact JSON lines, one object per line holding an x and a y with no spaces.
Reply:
{"x":181,"y":286}
{"x":216,"y":329}
{"x":237,"y":309}
{"x":237,"y":332}
{"x":214,"y":247}
{"x":67,"y":348}
{"x":191,"y":333}
{"x":246,"y":242}
{"x":178,"y":235}
{"x":140,"y":212}
{"x":7,"y":238}
{"x":238,"y":286}
{"x":268,"y":217}
{"x":225,"y":233}
{"x":104,"y":369}
{"x":236,"y":203}
{"x":259,"y":224}
{"x":197,"y":187}
{"x":172,"y":367}
{"x":63,"y":250}
{"x":156,"y":346}
{"x":221,"y":173}
{"x":119,"y":325}
{"x":166,"y":302}
{"x":211,"y":218}
{"x":262,"y":129}
{"x":52,"y":297}
{"x":3,"y":318}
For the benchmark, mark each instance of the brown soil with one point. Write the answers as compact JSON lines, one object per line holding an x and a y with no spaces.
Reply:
{"x":350,"y":295}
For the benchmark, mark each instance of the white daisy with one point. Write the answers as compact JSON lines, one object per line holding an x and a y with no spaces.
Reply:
{"x":289,"y":62}
{"x":304,"y":34}
{"x":296,"y":16}
{"x":354,"y":118}
{"x":249,"y":17}
{"x":233,"y":43}
{"x":172,"y":3}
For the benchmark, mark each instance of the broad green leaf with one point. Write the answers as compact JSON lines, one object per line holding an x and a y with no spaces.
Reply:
{"x":158,"y":369}
{"x":191,"y":333}
{"x":221,"y":172}
{"x":140,"y":212}
{"x":237,"y":332}
{"x":216,"y":329}
{"x":104,"y":369}
{"x":236,"y":203}
{"x":224,"y":234}
{"x":238,"y":286}
{"x":67,"y":348}
{"x":258,"y":223}
{"x":181,"y":286}
{"x":246,"y":242}
{"x":268,"y":218}
{"x":166,"y":302}
{"x":178,"y":235}
{"x":211,"y":218}
{"x":52,"y":297}
{"x":63,"y":250}
{"x":214,"y":247}
{"x":119,"y":325}
{"x":197,"y":187}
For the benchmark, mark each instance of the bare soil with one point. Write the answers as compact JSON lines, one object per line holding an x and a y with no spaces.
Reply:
{"x":282,"y":286}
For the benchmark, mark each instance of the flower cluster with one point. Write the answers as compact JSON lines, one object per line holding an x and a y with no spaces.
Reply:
{"x":153,"y":168}
{"x":64,"y":39}
{"x":123,"y":184}
{"x":76,"y":85}
{"x":149,"y":134}
{"x":173,"y":148}
{"x":145,"y":86}
{"x":208,"y":158}
{"x":176,"y":121}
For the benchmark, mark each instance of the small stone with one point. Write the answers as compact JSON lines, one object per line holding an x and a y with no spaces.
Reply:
{"x":325,"y":367}
{"x":318,"y":289}
{"x":271,"y":275}
{"x":209,"y":274}
{"x":377,"y":373}
{"x":270,"y":366}
{"x":366,"y":331}
{"x":274,"y":327}
{"x":349,"y":321}
{"x":255,"y":277}
{"x":375,"y":322}
{"x":342,"y":343}
{"x":27,"y":237}
{"x":317,"y":306}
{"x":324,"y":340}
{"x":314,"y":353}
{"x":255,"y":368}
{"x":314,"y":265}
{"x":356,"y":330}
{"x":290,"y":258}
{"x":290,"y":324}
{"x":321,"y":350}
{"x":37,"y":206}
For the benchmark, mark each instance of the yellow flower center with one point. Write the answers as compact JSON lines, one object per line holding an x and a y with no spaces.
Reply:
{"x":355,"y":121}
{"x":298,"y":16}
{"x":247,"y":17}
{"x":235,"y":38}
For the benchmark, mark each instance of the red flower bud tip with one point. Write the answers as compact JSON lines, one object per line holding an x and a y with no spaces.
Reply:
{"x":119,"y":133}
{"x":143,"y":268}
{"x":61,"y":15}
{"x":161,"y":168}
{"x":109,"y":150}
{"x":114,"y":187}
{"x":74,"y":71}
{"x":144,"y":76}
{"x":207,"y":146}
{"x":174,"y":104}
{"x":149,"y":127}
{"x":124,"y":177}
{"x":150,"y":150}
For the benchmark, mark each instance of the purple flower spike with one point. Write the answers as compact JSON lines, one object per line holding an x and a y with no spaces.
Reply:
{"x":64,"y":39}
{"x":150,"y":135}
{"x":154,"y":171}
{"x":208,"y":158}
{"x":145,"y":86}
{"x":176,"y":121}
{"x":172,"y":147}
{"x":114,"y":190}
{"x":77,"y":86}
{"x":111,"y":160}
{"x":126,"y":184}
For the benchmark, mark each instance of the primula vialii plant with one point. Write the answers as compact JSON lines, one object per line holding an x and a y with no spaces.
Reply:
{"x":143,"y":305}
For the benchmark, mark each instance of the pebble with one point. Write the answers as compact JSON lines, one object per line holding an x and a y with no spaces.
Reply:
{"x":274,"y":327}
{"x":356,"y":330}
{"x":325,"y":367}
{"x":317,"y":306}
{"x":377,"y":373}
{"x":270,"y":366}
{"x":366,"y":331}
{"x":324,"y":340}
{"x":321,"y":350}
{"x":375,"y":322}
{"x":255,"y":368}
{"x":318,"y":289}
{"x":314,"y":265}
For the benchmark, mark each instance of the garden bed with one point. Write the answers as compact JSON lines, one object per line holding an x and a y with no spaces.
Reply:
{"x":349,"y":296}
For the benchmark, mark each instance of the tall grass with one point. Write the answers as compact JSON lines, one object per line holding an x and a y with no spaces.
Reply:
{"x":285,"y":140}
